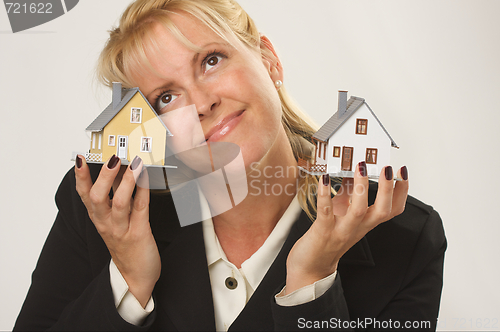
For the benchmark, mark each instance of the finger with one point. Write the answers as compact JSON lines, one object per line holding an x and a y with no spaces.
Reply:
{"x":122,"y":199}
{"x":359,"y":199}
{"x":119,"y":177}
{"x":83,"y":181}
{"x":139,"y":216}
{"x":400,"y":192}
{"x":324,"y":201}
{"x":381,"y":210}
{"x":99,"y":194}
{"x":342,"y":199}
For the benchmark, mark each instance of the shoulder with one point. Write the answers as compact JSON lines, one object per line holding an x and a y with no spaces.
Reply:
{"x":418,"y":229}
{"x":67,"y":199}
{"x":67,"y":188}
{"x":413,"y":205}
{"x":69,"y":204}
{"x":404,"y":277}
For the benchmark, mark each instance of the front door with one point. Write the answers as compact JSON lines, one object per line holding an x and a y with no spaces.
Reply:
{"x":122,"y":147}
{"x":347,"y":158}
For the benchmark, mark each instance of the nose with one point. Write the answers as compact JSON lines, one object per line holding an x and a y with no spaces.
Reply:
{"x":205,"y":98}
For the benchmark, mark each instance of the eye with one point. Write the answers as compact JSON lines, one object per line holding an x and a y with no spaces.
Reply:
{"x":212,"y":61}
{"x":164,"y":100}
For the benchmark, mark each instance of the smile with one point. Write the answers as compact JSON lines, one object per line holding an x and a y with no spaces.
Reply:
{"x":224,"y":126}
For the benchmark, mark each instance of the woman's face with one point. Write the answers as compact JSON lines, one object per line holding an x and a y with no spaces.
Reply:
{"x":232,"y":89}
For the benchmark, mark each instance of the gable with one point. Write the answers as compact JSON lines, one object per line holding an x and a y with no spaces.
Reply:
{"x":335,"y":123}
{"x":145,"y":134}
{"x":109,"y":112}
{"x":132,"y":98}
{"x":136,"y":115}
{"x":346,"y":135}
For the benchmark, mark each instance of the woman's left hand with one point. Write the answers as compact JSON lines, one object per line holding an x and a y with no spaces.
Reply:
{"x":341,"y":222}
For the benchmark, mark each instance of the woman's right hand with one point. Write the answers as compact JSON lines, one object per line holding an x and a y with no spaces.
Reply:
{"x":123,"y":222}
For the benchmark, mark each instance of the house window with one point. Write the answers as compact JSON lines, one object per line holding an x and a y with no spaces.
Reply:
{"x":146,"y":144}
{"x":111,"y":140}
{"x":371,"y":156}
{"x":136,"y":115}
{"x":361,"y":125}
{"x":336,"y":151}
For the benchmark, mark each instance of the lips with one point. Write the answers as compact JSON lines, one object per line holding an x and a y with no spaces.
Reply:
{"x":224,"y":126}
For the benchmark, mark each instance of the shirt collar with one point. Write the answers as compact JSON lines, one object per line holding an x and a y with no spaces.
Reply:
{"x":255,"y":267}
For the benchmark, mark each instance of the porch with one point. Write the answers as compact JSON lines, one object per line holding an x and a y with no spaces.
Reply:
{"x":311,"y":168}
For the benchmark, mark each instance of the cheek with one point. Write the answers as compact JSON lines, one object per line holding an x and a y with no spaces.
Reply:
{"x":185,"y":127}
{"x":254,"y":87}
{"x":251,"y":86}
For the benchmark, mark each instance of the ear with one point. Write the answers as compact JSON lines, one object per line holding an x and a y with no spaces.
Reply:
{"x":270,"y":59}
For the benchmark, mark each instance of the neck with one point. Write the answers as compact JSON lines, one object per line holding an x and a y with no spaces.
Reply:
{"x":272,"y":185}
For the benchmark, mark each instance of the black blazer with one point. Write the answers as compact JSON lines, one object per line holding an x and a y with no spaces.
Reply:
{"x":393,"y":274}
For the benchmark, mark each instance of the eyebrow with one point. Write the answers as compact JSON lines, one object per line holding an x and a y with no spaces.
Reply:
{"x":195,"y":57}
{"x":193,"y":62}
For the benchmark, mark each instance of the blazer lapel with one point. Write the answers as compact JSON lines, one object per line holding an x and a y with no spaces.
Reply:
{"x":183,"y":292}
{"x":257,"y":315}
{"x":359,"y":254}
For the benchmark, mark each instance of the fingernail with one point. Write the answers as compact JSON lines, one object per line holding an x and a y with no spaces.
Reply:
{"x":135,"y":163}
{"x":362,"y":168}
{"x":326,"y":179}
{"x":78,"y":162}
{"x":388,"y":173}
{"x":113,"y":162}
{"x":404,"y":173}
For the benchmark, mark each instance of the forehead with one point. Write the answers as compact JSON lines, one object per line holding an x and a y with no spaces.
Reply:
{"x":192,"y":31}
{"x":171,"y":42}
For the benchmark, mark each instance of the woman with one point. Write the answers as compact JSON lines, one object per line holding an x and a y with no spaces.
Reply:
{"x":260,"y":265}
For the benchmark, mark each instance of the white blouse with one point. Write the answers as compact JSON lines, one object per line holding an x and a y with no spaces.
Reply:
{"x":231,"y":287}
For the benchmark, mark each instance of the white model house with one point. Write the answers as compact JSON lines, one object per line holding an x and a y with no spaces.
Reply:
{"x":352,"y":134}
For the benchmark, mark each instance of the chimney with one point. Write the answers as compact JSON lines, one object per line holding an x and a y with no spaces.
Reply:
{"x":342,"y":103}
{"x":117,"y":94}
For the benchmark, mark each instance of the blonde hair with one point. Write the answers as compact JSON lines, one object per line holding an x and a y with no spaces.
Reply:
{"x":125,"y":48}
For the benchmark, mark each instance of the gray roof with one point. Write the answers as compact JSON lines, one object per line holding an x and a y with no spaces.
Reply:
{"x":334,"y":123}
{"x":109,"y":113}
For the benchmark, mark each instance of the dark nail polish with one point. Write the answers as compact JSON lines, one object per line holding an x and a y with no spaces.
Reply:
{"x":404,"y":173}
{"x":113,"y":162}
{"x":362,"y":168}
{"x":135,"y":163}
{"x":388,"y":173}
{"x":78,"y":162}
{"x":326,"y":179}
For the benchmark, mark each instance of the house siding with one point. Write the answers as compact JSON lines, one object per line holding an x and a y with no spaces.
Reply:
{"x":346,"y":136}
{"x":150,"y":126}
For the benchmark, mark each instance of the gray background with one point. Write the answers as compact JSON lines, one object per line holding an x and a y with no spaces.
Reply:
{"x":428,"y":69}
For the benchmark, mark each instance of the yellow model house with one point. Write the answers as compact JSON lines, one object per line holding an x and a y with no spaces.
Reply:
{"x":128,"y":127}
